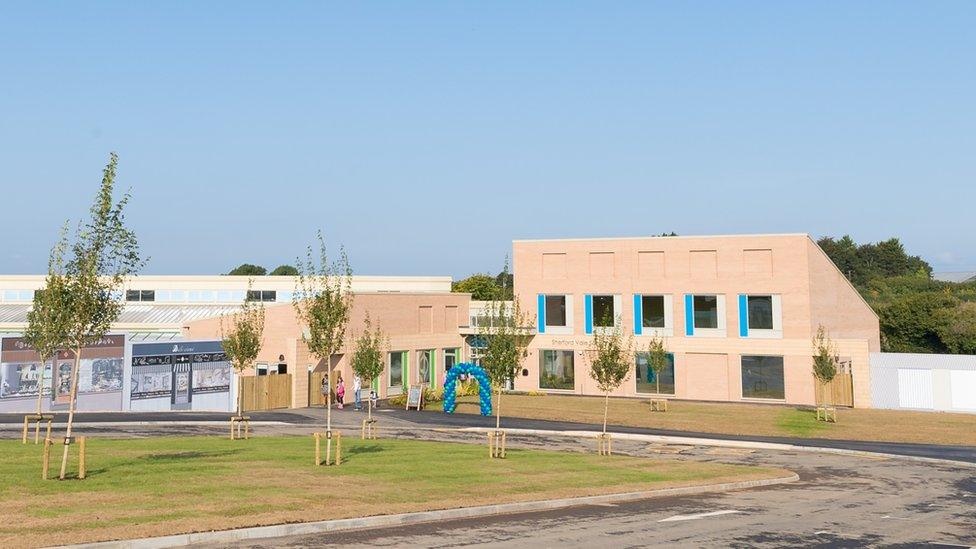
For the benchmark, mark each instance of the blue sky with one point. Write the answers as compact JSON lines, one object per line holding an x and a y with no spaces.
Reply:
{"x":425,"y":136}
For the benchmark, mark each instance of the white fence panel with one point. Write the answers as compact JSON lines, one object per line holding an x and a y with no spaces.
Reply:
{"x":915,"y":389}
{"x":963,"y":384}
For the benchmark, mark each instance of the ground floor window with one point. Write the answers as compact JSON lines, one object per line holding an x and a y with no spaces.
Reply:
{"x":648,"y":382}
{"x":762,"y":377}
{"x":398,"y":361}
{"x":450,"y":359}
{"x":556,"y":370}
{"x":425,"y":366}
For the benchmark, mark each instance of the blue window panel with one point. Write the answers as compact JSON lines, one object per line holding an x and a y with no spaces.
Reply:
{"x":638,"y":315}
{"x":689,"y":314}
{"x":588,"y":312}
{"x":541,"y":313}
{"x":743,"y":315}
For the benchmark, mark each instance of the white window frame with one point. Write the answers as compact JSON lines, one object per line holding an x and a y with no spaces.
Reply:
{"x":777,"y":331}
{"x":721,"y":331}
{"x":618,"y":304}
{"x":568,"y":328}
{"x":668,"y":329}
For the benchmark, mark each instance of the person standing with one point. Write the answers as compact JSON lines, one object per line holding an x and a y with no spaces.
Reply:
{"x":325,"y":389}
{"x":340,"y":392}
{"x":357,"y":391}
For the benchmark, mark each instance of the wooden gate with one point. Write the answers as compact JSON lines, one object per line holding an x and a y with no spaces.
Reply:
{"x":315,"y":397}
{"x":266,"y":392}
{"x":840,"y":390}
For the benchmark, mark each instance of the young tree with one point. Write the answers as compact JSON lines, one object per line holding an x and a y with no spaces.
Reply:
{"x":825,"y":361}
{"x":657,"y":359}
{"x":322,"y":302}
{"x":242,"y":341}
{"x":47,"y":321}
{"x":367,"y":360}
{"x":104,"y":253}
{"x":507,"y":335}
{"x":610,"y":361}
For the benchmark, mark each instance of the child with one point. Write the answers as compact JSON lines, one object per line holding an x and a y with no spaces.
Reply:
{"x":340,"y":392}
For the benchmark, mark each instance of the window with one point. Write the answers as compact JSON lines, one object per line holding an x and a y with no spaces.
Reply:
{"x":555,"y":310}
{"x":648,"y":382}
{"x":261,"y":295}
{"x":760,"y":309}
{"x":762,"y":377}
{"x":603,"y":313}
{"x":450,"y":359}
{"x":556,"y":370}
{"x":140,"y":295}
{"x":261,"y":369}
{"x":706,"y":311}
{"x":18,"y":295}
{"x":425,"y":366}
{"x":652,"y":311}
{"x":396,"y":369}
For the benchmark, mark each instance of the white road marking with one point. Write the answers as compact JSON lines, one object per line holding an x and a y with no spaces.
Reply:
{"x":895,"y":518}
{"x":677,"y":518}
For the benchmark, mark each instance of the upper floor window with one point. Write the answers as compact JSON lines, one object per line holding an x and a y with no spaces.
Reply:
{"x":602,"y":311}
{"x":140,"y":295}
{"x":555,"y":314}
{"x":262,"y":295}
{"x":652,"y":313}
{"x":18,"y":295}
{"x":760,"y":316}
{"x":705,"y":314}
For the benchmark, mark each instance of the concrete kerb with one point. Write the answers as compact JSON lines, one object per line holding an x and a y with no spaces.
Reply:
{"x":18,"y":427}
{"x":403,"y":519}
{"x":746,"y":444}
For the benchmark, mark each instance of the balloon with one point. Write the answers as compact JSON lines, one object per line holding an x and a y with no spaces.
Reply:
{"x":471,"y":370}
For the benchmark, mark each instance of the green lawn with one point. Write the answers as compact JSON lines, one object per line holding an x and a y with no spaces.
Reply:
{"x":738,"y":418}
{"x":150,"y":487}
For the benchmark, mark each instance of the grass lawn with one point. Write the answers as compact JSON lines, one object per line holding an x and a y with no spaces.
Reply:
{"x":743,"y":419}
{"x":158,"y":486}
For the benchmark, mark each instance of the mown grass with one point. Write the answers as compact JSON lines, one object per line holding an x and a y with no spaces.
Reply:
{"x":159,"y":486}
{"x":742,"y":418}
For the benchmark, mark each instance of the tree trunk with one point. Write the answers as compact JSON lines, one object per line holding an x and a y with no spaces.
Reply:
{"x":606,"y":407}
{"x":40,"y":385}
{"x":71,"y":409}
{"x":657,"y":381}
{"x":240,"y":393}
{"x":498,"y":410}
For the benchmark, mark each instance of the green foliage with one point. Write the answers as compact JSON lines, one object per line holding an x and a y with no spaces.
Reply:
{"x":323,"y":300}
{"x":285,"y":270}
{"x":431,"y":396}
{"x":657,"y":359}
{"x":874,"y":260}
{"x":48,"y":320}
{"x":957,"y":328}
{"x":507,"y":337}
{"x":468,"y":387}
{"x":825,"y":360}
{"x":917,"y":314}
{"x":248,"y":269}
{"x":486,"y":287}
{"x":367,"y":359}
{"x":912,"y":323}
{"x":611,"y":357}
{"x":242,"y":339}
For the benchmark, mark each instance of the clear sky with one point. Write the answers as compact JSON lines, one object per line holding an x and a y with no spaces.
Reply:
{"x":426,"y":136}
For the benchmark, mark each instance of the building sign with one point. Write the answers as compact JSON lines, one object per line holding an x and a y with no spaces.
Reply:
{"x":179,"y":370}
{"x":99,"y":371}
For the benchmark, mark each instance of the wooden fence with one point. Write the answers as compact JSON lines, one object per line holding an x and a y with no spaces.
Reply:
{"x":315,"y":397}
{"x":266,"y":392}
{"x":840,"y":390}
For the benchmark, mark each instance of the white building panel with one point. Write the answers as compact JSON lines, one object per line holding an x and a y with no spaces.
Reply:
{"x":963,"y":383}
{"x":915,"y":389}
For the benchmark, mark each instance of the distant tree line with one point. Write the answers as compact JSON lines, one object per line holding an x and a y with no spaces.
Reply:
{"x":248,"y":269}
{"x":917,"y":314}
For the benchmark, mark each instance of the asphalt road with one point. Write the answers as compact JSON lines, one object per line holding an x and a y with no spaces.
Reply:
{"x":348,"y":419}
{"x":840,"y":501}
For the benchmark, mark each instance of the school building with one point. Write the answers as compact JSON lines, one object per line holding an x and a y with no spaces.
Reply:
{"x":737,"y":315}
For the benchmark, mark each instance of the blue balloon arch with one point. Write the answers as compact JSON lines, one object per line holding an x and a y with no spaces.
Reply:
{"x":450,"y":383}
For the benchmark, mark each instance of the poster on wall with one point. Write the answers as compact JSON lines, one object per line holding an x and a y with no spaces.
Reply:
{"x":100,"y":370}
{"x":177,"y":371}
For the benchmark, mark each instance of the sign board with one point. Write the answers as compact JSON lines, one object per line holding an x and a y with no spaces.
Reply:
{"x":176,"y":371}
{"x":415,"y":397}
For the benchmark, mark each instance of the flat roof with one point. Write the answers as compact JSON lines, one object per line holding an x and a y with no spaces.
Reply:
{"x":683,"y":236}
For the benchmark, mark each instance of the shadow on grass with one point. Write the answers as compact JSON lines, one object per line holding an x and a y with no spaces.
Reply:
{"x":180,"y":456}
